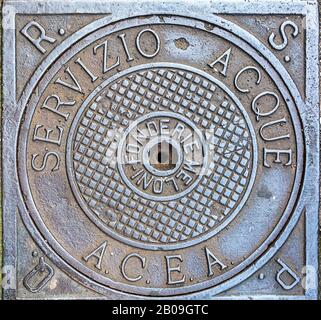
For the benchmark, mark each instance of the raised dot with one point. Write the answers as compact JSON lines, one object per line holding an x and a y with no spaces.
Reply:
{"x":35,"y":254}
{"x":287,"y":59}
{"x":261,"y":276}
{"x":61,"y":31}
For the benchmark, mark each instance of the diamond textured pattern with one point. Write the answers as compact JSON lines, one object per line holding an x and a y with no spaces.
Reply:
{"x":159,"y":89}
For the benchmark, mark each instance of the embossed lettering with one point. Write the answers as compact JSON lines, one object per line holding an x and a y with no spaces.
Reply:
{"x":223,"y":60}
{"x":58,"y":103}
{"x":73,"y":86}
{"x":48,"y":132}
{"x":269,"y":124}
{"x":123,"y":266}
{"x":84,"y":67}
{"x":123,"y":41}
{"x":45,"y":160}
{"x":171,"y":269}
{"x":98,"y":254}
{"x":42,"y":36}
{"x":104,"y":45}
{"x":138,"y":44}
{"x":212,"y":261}
{"x":278,"y":154}
{"x":260,"y":113}
{"x":237,"y":86}
{"x":286,"y":270}
{"x":283,"y":45}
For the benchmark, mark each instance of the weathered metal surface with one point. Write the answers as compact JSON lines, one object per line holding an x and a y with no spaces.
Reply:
{"x":161,"y":149}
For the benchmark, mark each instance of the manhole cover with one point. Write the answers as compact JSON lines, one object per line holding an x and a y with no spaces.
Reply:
{"x":157,"y":151}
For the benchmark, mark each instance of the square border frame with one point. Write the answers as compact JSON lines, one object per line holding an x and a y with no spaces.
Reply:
{"x":308,"y":9}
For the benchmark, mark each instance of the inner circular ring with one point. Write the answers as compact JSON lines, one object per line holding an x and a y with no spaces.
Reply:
{"x":157,"y":141}
{"x":141,"y":119}
{"x":134,"y":125}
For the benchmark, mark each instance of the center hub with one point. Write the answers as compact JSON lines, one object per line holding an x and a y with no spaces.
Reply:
{"x":162,"y":156}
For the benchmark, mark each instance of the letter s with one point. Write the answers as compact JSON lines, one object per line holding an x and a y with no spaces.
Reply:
{"x":284,"y":36}
{"x":44,"y":161}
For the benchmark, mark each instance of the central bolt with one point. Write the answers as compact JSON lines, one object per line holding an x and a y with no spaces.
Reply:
{"x":163,"y":156}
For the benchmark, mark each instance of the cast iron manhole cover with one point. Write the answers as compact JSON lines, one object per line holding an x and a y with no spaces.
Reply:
{"x":161,"y":150}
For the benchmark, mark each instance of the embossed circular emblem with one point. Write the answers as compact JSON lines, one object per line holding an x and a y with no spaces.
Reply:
{"x":169,"y":163}
{"x":160,"y":155}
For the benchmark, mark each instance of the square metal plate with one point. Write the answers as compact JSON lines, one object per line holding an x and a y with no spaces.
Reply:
{"x":160,"y":149}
